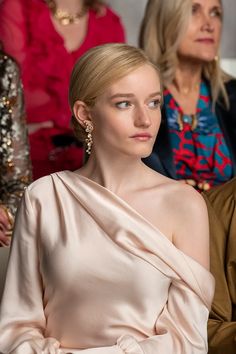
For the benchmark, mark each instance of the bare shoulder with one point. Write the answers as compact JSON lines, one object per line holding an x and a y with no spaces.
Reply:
{"x":176,"y":195}
{"x":186,"y":199}
{"x":180,"y":195}
{"x":188,"y":215}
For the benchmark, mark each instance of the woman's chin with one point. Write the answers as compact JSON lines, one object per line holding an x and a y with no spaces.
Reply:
{"x":146,"y":155}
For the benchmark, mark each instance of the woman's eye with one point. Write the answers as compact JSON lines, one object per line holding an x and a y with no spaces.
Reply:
{"x":195,"y":8}
{"x":123,"y":104}
{"x":216,"y":13}
{"x":154,"y":103}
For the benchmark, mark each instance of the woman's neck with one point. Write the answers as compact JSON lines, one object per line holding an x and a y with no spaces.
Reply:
{"x":119,"y":174}
{"x":72,"y":6}
{"x":185,"y":87}
{"x":187,"y":77}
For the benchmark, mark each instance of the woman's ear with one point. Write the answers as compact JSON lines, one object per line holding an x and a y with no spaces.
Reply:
{"x":81,"y":112}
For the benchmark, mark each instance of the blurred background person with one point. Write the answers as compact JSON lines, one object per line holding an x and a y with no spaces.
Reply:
{"x":221,"y":203}
{"x":15,"y":166}
{"x":196,"y":141}
{"x":46,"y":38}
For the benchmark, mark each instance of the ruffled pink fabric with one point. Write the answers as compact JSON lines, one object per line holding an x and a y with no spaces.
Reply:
{"x":28,"y":34}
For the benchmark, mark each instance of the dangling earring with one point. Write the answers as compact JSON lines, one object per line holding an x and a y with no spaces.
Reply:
{"x":89,"y":139}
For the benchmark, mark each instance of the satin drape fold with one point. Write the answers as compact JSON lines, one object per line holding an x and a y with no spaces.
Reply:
{"x":88,"y":273}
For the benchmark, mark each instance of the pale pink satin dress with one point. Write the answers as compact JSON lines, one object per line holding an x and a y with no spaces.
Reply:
{"x":88,"y":273}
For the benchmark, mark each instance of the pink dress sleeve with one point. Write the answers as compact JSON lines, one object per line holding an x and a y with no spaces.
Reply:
{"x":24,"y":290}
{"x":15,"y":36}
{"x":28,"y":35}
{"x":116,"y":27}
{"x":13,"y":29}
{"x":22,"y":317}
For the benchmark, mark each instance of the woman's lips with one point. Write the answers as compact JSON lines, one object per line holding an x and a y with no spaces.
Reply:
{"x":142,"y":136}
{"x":206,"y":40}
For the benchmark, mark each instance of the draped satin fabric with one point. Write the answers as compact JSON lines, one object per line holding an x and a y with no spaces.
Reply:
{"x":88,"y":273}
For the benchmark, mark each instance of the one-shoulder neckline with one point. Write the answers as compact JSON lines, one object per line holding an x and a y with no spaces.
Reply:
{"x":122,"y":201}
{"x":135,"y":212}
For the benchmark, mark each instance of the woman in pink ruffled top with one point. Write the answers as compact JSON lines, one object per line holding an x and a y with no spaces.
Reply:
{"x":46,"y":38}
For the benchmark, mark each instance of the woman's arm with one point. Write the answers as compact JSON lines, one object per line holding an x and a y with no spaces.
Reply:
{"x":191,"y":224}
{"x":22,"y":319}
{"x":5,"y":226}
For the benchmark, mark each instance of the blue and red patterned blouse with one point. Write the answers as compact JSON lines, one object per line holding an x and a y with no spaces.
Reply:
{"x":200,"y":153}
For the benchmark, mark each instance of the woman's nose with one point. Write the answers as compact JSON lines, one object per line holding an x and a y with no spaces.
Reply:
{"x":207,"y":23}
{"x":142,"y":118}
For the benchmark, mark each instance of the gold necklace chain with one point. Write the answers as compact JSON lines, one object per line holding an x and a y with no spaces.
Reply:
{"x":63,"y":16}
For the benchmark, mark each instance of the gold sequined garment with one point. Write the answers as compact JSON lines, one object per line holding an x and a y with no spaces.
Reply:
{"x":15,"y":166}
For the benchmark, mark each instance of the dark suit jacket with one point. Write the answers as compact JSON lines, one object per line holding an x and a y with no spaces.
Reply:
{"x":221,"y":204}
{"x":161,"y":158}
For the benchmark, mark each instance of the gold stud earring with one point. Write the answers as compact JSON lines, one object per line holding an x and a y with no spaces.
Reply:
{"x":89,"y":139}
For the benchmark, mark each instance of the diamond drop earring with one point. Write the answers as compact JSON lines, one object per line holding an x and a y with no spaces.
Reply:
{"x":89,"y":139}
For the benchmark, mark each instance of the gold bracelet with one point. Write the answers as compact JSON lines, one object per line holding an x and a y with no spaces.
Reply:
{"x":8,"y":214}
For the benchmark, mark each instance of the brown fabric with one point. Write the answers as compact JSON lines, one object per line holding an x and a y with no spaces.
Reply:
{"x":221,"y":203}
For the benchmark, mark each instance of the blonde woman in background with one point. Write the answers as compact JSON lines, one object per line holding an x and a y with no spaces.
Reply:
{"x":103,"y":259}
{"x":196,"y":141}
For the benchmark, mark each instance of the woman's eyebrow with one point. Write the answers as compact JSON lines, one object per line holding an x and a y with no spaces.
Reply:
{"x":122,"y":95}
{"x":125,"y":95}
{"x":158,"y":93}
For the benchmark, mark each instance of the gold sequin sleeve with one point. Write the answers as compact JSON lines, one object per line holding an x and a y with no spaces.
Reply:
{"x":15,"y":166}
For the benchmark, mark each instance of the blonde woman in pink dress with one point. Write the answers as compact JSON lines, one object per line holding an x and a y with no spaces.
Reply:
{"x":112,"y":258}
